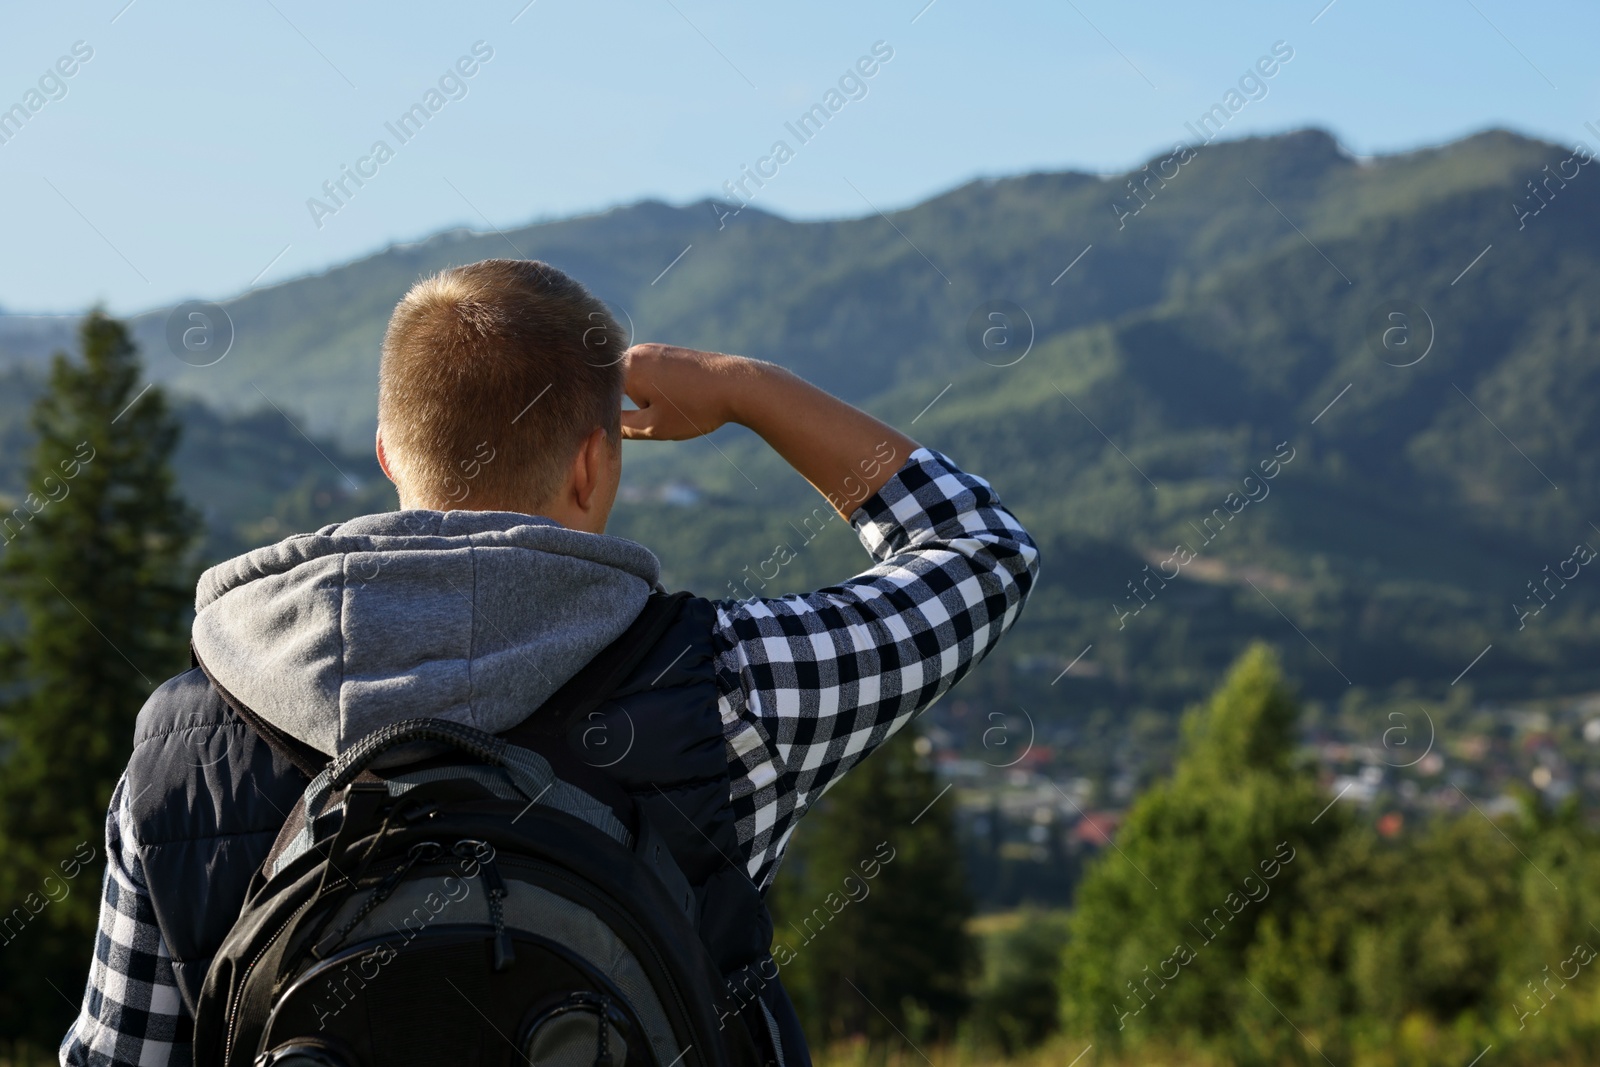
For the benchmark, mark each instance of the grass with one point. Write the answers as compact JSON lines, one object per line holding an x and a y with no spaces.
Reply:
{"x":1059,"y":1051}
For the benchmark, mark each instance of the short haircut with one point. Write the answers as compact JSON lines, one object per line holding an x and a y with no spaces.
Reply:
{"x":506,"y":358}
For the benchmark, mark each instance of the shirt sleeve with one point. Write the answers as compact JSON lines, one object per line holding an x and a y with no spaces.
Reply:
{"x":811,"y":684}
{"x":132,"y":1013}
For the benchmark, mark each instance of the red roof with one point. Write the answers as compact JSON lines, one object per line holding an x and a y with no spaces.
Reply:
{"x":1097,"y":827}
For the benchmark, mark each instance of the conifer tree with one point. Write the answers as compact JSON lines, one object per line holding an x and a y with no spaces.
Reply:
{"x":870,"y":911}
{"x":96,"y":577}
{"x":1164,"y":923}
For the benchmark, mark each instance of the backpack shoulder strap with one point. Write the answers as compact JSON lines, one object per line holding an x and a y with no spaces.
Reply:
{"x":601,"y":676}
{"x":545,"y":729}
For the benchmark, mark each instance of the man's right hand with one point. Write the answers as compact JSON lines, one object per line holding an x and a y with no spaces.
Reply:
{"x":681,"y":392}
{"x":846,"y":454}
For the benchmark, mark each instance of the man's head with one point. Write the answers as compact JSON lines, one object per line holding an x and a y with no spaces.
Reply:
{"x":501,"y":390}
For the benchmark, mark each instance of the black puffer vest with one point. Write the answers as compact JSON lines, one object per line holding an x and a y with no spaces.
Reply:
{"x":210,"y":793}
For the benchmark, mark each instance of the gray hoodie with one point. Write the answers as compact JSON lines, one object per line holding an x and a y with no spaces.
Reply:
{"x":472,"y":616}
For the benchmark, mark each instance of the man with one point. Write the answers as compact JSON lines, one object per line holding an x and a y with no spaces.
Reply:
{"x":500,"y":422}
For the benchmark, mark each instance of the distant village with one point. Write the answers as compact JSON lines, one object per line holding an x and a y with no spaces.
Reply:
{"x":1029,"y":823}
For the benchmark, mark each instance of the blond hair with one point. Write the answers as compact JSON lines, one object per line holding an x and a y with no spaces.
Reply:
{"x":492,"y":375}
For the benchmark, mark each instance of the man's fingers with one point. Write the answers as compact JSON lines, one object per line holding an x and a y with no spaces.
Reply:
{"x":668,"y":384}
{"x":638,"y":423}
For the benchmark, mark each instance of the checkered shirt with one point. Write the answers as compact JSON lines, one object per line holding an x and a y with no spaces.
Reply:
{"x":132,"y":1013}
{"x":808,"y":686}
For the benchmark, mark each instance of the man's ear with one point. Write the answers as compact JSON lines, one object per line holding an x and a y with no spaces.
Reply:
{"x":383,"y":460}
{"x":589,"y":468}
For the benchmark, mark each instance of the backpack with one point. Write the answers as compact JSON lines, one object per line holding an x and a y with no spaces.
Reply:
{"x":468,"y":908}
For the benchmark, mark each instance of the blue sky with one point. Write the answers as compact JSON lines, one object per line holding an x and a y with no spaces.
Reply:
{"x":178,"y":160}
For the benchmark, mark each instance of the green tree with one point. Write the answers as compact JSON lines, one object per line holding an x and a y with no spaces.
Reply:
{"x":1462,"y":934}
{"x":1018,"y":1000}
{"x":871,"y":908}
{"x":1421,"y":928}
{"x":96,"y":574}
{"x":1164,"y":921}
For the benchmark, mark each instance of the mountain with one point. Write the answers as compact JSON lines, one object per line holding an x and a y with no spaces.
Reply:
{"x":1216,"y":314}
{"x":852,"y":304}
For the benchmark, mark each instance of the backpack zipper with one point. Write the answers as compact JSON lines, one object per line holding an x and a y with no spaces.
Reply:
{"x":602,"y":1055}
{"x":421,"y":852}
{"x":233,"y":1008}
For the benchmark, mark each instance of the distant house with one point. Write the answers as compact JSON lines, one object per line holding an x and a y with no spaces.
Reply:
{"x":1096,"y":828}
{"x":679,"y":494}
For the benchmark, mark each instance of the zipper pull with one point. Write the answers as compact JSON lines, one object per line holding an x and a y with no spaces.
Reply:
{"x":494,"y":888}
{"x":417,"y":814}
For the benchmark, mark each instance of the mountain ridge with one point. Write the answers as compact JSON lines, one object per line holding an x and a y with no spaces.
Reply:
{"x":1166,"y":353}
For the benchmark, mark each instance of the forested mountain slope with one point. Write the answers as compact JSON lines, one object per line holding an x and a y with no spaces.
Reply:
{"x":1231,"y":313}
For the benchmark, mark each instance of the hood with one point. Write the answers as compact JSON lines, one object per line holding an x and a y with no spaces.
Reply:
{"x":473,"y":616}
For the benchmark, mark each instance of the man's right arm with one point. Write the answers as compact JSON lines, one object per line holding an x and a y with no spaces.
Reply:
{"x":811,"y":684}
{"x":684,"y":393}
